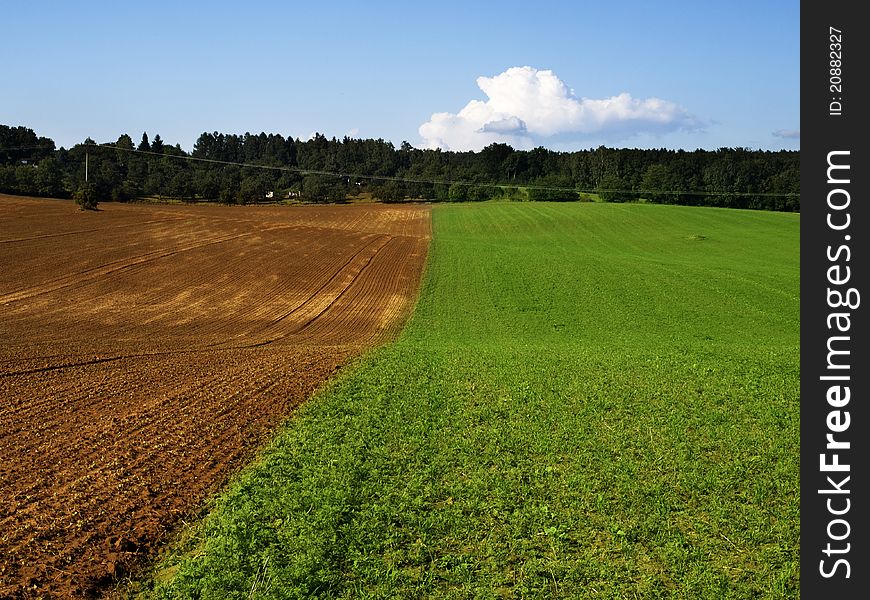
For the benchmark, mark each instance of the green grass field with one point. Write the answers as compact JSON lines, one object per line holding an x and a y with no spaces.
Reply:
{"x":590,"y":401}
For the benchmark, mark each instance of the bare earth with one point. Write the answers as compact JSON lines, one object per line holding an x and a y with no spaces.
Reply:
{"x":148,"y":351}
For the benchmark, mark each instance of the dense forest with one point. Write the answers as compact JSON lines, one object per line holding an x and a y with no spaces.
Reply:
{"x":249,"y":168}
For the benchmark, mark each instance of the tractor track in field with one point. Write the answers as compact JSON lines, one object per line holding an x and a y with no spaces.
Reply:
{"x":79,"y":232}
{"x":149,"y":352}
{"x":100,"y":271}
{"x":315,"y":305}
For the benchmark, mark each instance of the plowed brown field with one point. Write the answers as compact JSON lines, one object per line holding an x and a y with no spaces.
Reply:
{"x":148,"y":351}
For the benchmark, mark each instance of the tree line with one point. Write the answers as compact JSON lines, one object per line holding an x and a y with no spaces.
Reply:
{"x":248,"y":168}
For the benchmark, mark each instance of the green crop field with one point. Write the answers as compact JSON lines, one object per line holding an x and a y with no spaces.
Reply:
{"x":590,"y":401}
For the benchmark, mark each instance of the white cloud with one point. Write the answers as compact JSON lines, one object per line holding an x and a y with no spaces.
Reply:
{"x":508,"y":125}
{"x":788,"y":133}
{"x":526,"y":106}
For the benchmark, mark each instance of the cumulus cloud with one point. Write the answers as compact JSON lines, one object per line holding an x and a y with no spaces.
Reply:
{"x":509,"y":126}
{"x":793,"y":134}
{"x":526,"y":106}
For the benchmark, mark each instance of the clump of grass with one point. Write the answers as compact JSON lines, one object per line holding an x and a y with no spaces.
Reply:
{"x":583,"y":405}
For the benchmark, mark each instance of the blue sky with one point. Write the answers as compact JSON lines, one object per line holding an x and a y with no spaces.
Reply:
{"x":565,"y":75}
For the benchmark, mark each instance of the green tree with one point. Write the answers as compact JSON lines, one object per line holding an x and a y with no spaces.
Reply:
{"x":7,"y":179}
{"x":657,"y":180}
{"x":479,"y":193}
{"x":458,"y":192}
{"x":229,"y":179}
{"x":206,"y":182}
{"x":180,"y":186}
{"x":494,"y":161}
{"x":251,"y":190}
{"x":155,"y":182}
{"x":25,"y":178}
{"x":612,"y":188}
{"x":20,"y":145}
{"x":49,"y":178}
{"x":552,"y":188}
{"x":441,"y":192}
{"x":390,"y":191}
{"x":86,"y":196}
{"x":321,"y":188}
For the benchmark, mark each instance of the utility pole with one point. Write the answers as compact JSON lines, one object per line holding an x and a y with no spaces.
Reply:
{"x":86,"y":165}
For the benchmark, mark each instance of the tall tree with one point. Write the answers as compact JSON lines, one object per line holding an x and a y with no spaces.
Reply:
{"x":144,"y":146}
{"x":157,"y":144}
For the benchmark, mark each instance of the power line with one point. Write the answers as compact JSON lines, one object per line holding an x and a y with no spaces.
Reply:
{"x":445,"y":182}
